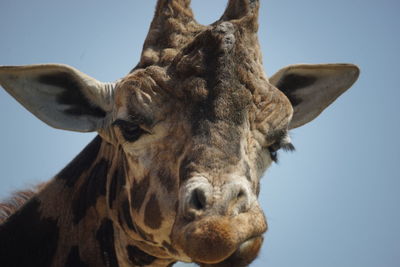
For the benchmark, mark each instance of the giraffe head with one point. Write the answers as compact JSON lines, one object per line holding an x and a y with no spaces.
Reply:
{"x":194,"y":125}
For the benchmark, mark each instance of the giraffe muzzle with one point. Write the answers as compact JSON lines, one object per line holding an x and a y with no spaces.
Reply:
{"x":218,"y":239}
{"x":218,"y":224}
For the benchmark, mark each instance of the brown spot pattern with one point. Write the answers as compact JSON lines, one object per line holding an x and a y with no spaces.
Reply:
{"x":166,"y":179}
{"x":152,"y":214}
{"x":139,"y":257}
{"x":27,"y":239}
{"x":138,"y":192}
{"x":71,"y":173}
{"x":169,"y":248}
{"x":116,"y":184}
{"x":93,"y":187}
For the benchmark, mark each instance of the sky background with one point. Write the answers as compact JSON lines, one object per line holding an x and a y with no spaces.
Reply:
{"x":334,"y":202}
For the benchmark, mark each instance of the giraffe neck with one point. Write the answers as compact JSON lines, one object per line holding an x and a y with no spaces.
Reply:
{"x":71,"y":222}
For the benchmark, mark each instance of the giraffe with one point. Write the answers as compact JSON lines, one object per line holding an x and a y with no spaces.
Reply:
{"x":183,"y":139}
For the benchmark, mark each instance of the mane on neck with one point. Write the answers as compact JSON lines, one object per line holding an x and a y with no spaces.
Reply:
{"x":16,"y":201}
{"x":73,"y":170}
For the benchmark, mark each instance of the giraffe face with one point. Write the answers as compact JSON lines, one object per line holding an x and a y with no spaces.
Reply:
{"x":196,"y":145}
{"x":194,"y":127}
{"x":200,"y":174}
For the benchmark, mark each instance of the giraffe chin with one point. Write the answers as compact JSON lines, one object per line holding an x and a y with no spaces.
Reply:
{"x":218,"y":241}
{"x":243,"y":256}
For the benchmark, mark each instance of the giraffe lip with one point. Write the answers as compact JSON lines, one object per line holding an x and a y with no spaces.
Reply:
{"x":245,"y":254}
{"x":215,"y":239}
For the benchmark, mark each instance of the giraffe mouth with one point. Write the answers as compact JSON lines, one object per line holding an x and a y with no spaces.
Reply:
{"x":243,"y":256}
{"x":222,"y":239}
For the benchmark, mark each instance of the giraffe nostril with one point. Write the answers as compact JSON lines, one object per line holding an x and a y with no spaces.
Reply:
{"x":239,"y":199}
{"x":198,"y":199}
{"x":241,"y":194}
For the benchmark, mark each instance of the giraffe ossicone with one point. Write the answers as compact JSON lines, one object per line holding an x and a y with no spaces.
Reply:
{"x":183,"y":139}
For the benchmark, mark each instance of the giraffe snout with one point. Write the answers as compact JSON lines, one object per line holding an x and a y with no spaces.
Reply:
{"x":210,"y":211}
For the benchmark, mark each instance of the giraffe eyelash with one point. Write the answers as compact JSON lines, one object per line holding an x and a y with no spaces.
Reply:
{"x":283,"y":143}
{"x":288,"y":147}
{"x":273,"y":150}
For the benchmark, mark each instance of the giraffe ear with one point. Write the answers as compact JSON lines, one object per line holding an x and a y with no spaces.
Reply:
{"x":312,"y":88}
{"x":59,"y":95}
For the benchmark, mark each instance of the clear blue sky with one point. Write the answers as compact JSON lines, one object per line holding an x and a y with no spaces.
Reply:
{"x":334,"y":202}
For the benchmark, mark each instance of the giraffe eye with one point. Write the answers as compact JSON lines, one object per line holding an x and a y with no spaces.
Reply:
{"x":273,"y":152}
{"x":130,"y":130}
